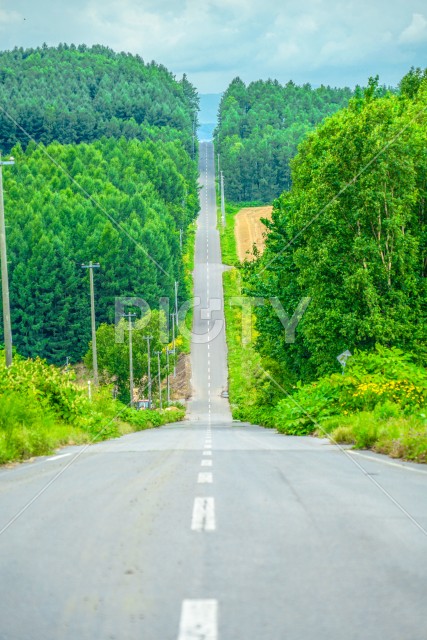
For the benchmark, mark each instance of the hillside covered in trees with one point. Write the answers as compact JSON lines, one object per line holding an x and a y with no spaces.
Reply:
{"x":78,"y":94}
{"x":108,"y":177}
{"x":259,"y":129}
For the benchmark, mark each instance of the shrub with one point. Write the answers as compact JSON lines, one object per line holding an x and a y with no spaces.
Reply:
{"x":155,"y":418}
{"x":398,"y":437}
{"x":24,"y":427}
{"x":386,"y":380}
{"x":387,"y":410}
{"x":47,"y":385}
{"x":343,"y":435}
{"x":41,"y":408}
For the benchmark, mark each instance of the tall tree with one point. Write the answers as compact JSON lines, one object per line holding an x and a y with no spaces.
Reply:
{"x":351,"y":235}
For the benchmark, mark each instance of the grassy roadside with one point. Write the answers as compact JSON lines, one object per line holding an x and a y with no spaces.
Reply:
{"x":380,"y":404}
{"x":188,"y":260}
{"x":227,"y":237}
{"x":244,"y":364}
{"x":42,"y":408}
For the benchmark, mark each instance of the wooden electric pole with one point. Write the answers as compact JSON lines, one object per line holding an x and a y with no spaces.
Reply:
{"x":91,"y":266}
{"x":7,"y":325}
{"x":129,"y":316}
{"x":150,"y":399}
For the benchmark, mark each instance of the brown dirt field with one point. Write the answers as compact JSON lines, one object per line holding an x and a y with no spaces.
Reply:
{"x":249,"y":230}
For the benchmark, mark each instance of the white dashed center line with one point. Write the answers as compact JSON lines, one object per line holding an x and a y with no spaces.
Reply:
{"x":205,"y":477}
{"x":203,"y":515}
{"x":199,"y":620}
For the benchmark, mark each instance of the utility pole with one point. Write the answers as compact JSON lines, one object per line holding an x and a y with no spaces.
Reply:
{"x":160,"y":379}
{"x":222,"y":200}
{"x":176,"y":304}
{"x":218,"y":175}
{"x":168,"y":396}
{"x":129,"y":316}
{"x":173,"y":344}
{"x":7,"y":326}
{"x":91,"y":266}
{"x":194,"y":135}
{"x":148,"y":338}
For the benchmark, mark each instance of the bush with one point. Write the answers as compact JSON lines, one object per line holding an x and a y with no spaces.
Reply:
{"x":24,"y":428}
{"x":47,"y":385}
{"x":41,"y":408}
{"x":387,"y":410}
{"x":148,"y":419}
{"x":386,"y":381}
{"x":343,"y":435}
{"x":398,"y":437}
{"x":262,"y":414}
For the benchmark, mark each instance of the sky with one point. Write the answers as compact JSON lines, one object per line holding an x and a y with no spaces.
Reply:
{"x":335,"y":42}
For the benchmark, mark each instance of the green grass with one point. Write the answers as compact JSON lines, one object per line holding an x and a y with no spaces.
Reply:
{"x":189,"y":249}
{"x":26,"y":433}
{"x":188,"y":260}
{"x":41,"y":409}
{"x":244,"y":364}
{"x":247,"y":380}
{"x":398,"y":436}
{"x":227,"y":237}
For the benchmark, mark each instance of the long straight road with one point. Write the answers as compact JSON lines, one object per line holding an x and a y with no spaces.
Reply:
{"x":209,"y":529}
{"x":208,"y":351}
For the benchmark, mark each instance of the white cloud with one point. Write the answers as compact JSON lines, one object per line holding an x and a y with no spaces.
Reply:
{"x":416,"y":31}
{"x":336,"y":41}
{"x":9,"y":17}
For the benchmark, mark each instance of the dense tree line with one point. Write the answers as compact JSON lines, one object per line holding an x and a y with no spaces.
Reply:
{"x":351,"y":235}
{"x":259,"y":129}
{"x":104,"y":171}
{"x":78,"y":94}
{"x":120,"y":203}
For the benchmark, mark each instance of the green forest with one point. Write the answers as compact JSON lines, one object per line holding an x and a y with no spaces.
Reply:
{"x":107,"y":176}
{"x":117,"y":202}
{"x":259,"y":129}
{"x":345,"y":263}
{"x":72,"y":94}
{"x":105,"y":171}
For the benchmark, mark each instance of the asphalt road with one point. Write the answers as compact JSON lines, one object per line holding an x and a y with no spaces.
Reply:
{"x":212,"y":530}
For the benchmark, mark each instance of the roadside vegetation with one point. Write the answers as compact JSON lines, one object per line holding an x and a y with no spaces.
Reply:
{"x":362,"y":263}
{"x":42,"y":408}
{"x":227,"y":237}
{"x":184,"y":340}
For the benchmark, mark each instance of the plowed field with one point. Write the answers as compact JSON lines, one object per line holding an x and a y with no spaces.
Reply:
{"x":250,"y":230}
